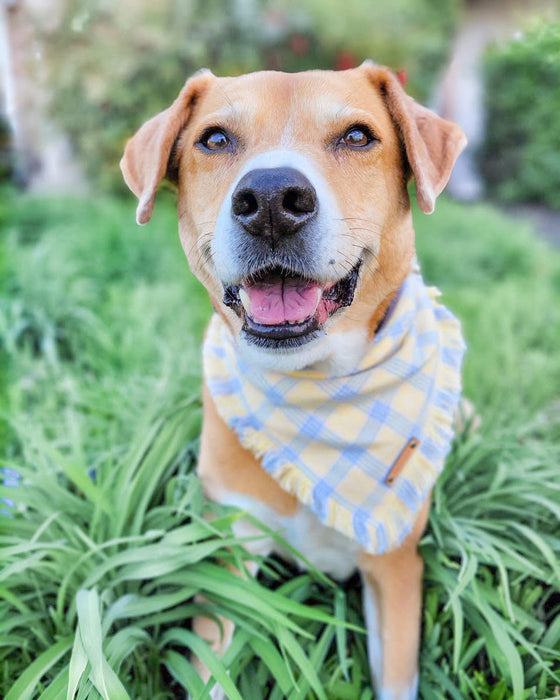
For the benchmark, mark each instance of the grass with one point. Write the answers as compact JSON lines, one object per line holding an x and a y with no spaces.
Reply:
{"x":103,"y":536}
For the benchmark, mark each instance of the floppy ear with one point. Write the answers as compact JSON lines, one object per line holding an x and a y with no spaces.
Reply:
{"x":432,"y":144}
{"x":146,"y":159}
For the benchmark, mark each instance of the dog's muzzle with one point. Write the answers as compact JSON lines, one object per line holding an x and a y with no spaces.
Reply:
{"x":273,"y":203}
{"x":281,"y":301}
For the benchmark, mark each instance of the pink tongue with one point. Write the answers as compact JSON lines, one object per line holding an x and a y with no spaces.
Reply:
{"x":279,"y":300}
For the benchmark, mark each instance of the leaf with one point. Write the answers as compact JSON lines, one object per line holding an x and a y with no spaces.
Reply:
{"x":77,"y":667}
{"x":89,"y":627}
{"x":206,"y":655}
{"x":25,"y":685}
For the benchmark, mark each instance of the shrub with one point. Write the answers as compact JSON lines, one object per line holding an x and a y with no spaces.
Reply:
{"x":520,"y":158}
{"x":6,"y":154}
{"x":103,"y":88}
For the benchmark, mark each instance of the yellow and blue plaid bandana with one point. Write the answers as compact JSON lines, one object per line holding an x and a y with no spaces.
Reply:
{"x":363,"y":450}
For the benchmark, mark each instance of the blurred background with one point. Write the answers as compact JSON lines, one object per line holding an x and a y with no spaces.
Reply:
{"x":79,"y":76}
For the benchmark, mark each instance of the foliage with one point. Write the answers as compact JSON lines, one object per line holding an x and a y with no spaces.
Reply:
{"x":102,"y":538}
{"x":6,"y":150}
{"x":521,"y":155}
{"x":410,"y":36}
{"x":505,"y":289}
{"x":103,"y":88}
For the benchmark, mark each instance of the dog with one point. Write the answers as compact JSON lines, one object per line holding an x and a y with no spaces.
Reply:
{"x":294,"y":213}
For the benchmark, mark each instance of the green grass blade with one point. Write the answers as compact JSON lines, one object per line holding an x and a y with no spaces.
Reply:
{"x":184,"y":673}
{"x":89,"y":621}
{"x":206,"y":655}
{"x":77,"y":667}
{"x":24,"y":687}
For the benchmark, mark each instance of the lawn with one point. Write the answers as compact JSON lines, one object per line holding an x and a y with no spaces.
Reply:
{"x":102,"y":530}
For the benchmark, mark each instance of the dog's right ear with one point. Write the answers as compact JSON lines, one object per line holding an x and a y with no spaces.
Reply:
{"x":146,"y":157}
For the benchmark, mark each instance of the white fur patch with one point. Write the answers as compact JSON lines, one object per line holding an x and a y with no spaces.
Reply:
{"x":325,"y":548}
{"x":345,"y":350}
{"x":374,"y":639}
{"x":333,"y":354}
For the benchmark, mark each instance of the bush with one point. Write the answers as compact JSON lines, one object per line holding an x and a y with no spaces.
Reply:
{"x":520,"y":158}
{"x":6,"y":153}
{"x":103,"y":88}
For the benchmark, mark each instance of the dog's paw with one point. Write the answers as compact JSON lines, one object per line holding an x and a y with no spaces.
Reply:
{"x":217,"y":693}
{"x":408,"y":693}
{"x":466,"y":419}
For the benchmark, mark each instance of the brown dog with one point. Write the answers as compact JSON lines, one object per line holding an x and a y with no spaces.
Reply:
{"x":294,"y":213}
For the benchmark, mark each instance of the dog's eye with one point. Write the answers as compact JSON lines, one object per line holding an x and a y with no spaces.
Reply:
{"x":357,"y":137}
{"x":215,"y":140}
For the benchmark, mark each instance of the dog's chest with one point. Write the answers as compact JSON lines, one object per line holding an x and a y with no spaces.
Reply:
{"x":325,"y":548}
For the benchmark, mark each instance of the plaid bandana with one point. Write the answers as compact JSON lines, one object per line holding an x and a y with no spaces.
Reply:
{"x":363,"y":450}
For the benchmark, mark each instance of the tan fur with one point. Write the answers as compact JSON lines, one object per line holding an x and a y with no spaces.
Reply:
{"x":397,"y":579}
{"x":224,"y":465}
{"x":306,"y":113}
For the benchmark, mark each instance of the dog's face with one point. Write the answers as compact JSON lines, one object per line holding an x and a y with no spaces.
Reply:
{"x":292,"y":198}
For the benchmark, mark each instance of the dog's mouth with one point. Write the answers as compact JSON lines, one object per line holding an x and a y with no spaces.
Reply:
{"x":281,"y":309}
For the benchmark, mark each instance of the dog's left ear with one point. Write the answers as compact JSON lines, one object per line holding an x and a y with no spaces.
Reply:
{"x":146,"y":159}
{"x":432,"y":144}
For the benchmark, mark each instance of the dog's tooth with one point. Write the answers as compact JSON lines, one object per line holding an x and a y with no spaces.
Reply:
{"x":319,"y":291}
{"x":245,"y":300}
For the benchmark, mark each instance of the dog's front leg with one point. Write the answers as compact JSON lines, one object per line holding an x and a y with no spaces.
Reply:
{"x":392,"y":588}
{"x":218,"y":631}
{"x":392,"y":594}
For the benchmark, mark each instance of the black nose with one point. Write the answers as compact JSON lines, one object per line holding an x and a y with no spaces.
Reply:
{"x":274,"y":202}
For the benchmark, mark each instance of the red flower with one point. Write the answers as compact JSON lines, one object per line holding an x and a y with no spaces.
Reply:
{"x":299,"y":44}
{"x":345,"y":60}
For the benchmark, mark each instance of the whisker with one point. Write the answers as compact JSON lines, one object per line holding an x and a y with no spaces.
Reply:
{"x":200,"y":243}
{"x":362,"y":228}
{"x":354,"y":218}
